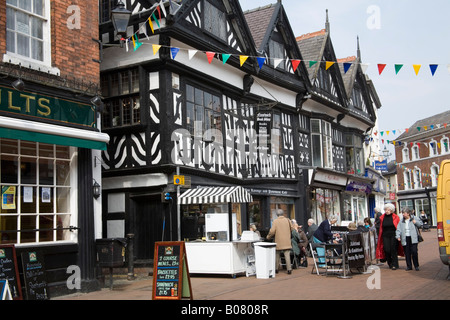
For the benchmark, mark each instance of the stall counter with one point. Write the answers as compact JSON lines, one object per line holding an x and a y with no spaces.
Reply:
{"x":218,"y":257}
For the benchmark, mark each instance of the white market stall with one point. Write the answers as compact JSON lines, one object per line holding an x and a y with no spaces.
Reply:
{"x":222,"y":252}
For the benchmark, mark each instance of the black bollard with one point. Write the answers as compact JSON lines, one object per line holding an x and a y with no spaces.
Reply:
{"x":130,"y":253}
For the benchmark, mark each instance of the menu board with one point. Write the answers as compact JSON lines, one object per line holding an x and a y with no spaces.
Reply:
{"x":170,"y":272}
{"x":34,"y":276}
{"x":9,"y":270}
{"x":5,"y":293}
{"x":356,"y":258}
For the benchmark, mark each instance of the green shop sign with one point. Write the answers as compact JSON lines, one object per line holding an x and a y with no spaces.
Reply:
{"x":35,"y":105}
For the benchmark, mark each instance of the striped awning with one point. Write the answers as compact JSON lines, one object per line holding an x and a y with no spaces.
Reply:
{"x":215,"y":195}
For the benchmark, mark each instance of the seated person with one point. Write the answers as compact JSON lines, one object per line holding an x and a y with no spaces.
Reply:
{"x":323,"y":233}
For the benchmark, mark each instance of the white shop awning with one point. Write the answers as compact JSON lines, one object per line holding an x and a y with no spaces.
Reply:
{"x":215,"y":195}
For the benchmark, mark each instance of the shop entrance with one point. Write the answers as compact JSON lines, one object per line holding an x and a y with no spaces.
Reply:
{"x":146,"y":222}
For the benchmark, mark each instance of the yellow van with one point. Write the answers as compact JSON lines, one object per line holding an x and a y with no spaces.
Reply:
{"x":443,"y":213}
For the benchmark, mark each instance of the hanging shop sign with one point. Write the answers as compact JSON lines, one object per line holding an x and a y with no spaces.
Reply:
{"x":38,"y":106}
{"x":358,"y":186}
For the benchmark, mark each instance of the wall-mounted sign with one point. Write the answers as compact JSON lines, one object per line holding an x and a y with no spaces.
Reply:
{"x":34,"y":105}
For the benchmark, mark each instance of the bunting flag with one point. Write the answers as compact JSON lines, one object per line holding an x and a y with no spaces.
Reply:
{"x":156,"y":48}
{"x":174,"y":52}
{"x":295,"y":64}
{"x":381,"y":68}
{"x":261,"y":61}
{"x":242,"y":59}
{"x":328,"y":64}
{"x":433,"y":68}
{"x":151,"y":24}
{"x":210,"y":55}
{"x":347,"y":66}
{"x":156,"y":20}
{"x":397,"y":68}
{"x":225,"y":57}
{"x":191,"y":53}
{"x":136,"y":43}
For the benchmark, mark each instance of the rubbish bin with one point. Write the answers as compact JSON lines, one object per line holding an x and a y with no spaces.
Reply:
{"x":111,"y":252}
{"x":265,"y":253}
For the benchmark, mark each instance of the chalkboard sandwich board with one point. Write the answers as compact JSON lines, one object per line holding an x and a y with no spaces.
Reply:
{"x":34,"y":276}
{"x":5,"y":293}
{"x":170,"y":272}
{"x":10,"y":271}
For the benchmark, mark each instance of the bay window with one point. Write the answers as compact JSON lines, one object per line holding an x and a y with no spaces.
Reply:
{"x":354,"y":154}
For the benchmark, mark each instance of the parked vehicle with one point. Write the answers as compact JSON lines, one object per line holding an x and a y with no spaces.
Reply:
{"x":443,"y":213}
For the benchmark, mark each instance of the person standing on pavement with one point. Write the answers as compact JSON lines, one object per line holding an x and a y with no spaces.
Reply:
{"x":408,"y":235}
{"x":387,"y":246}
{"x":377,"y":215}
{"x":281,"y":230}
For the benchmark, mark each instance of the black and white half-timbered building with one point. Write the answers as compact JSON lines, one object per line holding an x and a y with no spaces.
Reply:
{"x":338,"y":116}
{"x":224,"y":98}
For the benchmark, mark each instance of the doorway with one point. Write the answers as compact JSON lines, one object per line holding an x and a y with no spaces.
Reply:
{"x":146,"y":222}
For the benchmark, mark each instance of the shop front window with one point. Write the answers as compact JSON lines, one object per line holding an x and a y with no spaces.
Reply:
{"x":423,"y":205}
{"x":36,"y":181}
{"x":194,"y":219}
{"x":255,"y":214}
{"x":282,"y":204}
{"x":355,"y":208}
{"x":325,"y":203}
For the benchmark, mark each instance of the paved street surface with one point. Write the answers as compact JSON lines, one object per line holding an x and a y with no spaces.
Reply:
{"x":427,"y":284}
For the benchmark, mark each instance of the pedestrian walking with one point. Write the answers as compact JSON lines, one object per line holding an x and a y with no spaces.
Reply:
{"x":407,"y":233}
{"x":387,"y":246}
{"x":281,"y":230}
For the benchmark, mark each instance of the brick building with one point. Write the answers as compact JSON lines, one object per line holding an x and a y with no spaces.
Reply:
{"x":49,"y":134}
{"x":419,"y":153}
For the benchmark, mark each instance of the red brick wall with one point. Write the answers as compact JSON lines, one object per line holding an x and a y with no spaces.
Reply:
{"x":424,"y":163}
{"x":72,"y":50}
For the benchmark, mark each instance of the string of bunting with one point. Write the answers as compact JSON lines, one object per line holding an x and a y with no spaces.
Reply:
{"x":210,"y":55}
{"x":399,"y":131}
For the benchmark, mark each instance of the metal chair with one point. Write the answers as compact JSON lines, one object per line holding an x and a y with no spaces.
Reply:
{"x":318,"y":254}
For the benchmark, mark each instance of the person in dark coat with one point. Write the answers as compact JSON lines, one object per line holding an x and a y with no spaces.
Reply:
{"x":323,"y":232}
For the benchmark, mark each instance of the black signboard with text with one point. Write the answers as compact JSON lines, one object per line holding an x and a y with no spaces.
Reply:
{"x":170,"y":272}
{"x":10,"y":271}
{"x":34,"y":275}
{"x":355,"y":249}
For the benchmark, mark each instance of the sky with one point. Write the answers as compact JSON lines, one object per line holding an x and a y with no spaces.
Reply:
{"x":408,"y":32}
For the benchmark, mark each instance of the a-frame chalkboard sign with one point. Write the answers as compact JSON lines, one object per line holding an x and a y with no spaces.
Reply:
{"x":171,"y":279}
{"x":34,"y":275}
{"x":9,"y":270}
